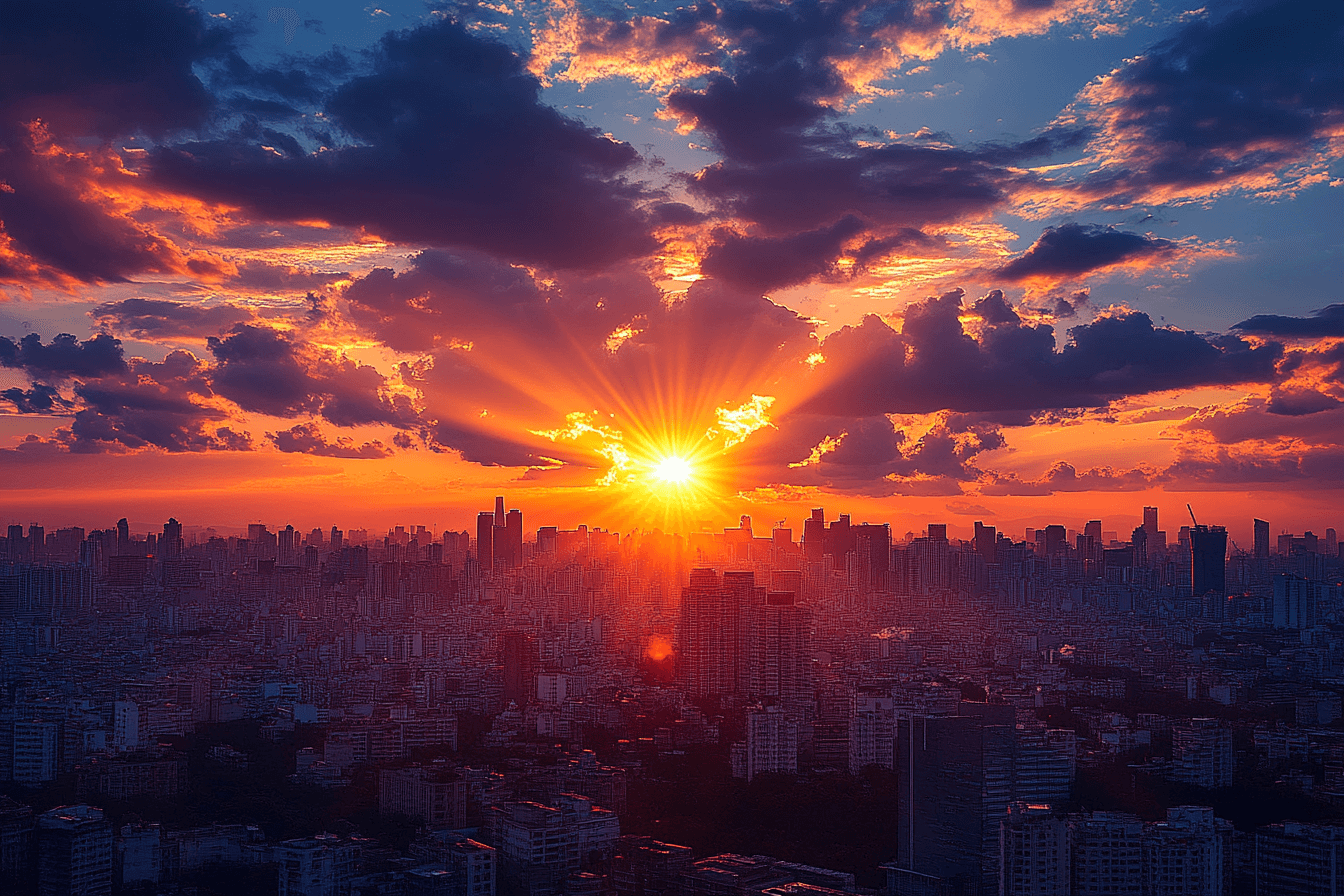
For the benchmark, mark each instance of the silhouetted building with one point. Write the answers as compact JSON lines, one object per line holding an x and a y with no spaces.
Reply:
{"x":1261,"y":539}
{"x":74,"y":852}
{"x":1208,"y":568}
{"x":485,"y":541}
{"x":956,"y":775}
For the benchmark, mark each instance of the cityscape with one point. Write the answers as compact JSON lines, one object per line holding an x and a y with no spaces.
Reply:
{"x":741,"y":711}
{"x":671,"y":448}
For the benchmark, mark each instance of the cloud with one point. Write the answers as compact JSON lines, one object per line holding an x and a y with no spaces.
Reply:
{"x":80,"y":74}
{"x":933,"y":363}
{"x":159,"y":318}
{"x":40,"y":399}
{"x":264,"y":370}
{"x":65,"y":356}
{"x":167,"y":404}
{"x":764,"y":263}
{"x":448,"y":145}
{"x":306,"y":438}
{"x":1064,"y":477}
{"x":1247,"y":101}
{"x":1327,"y":322}
{"x":1072,"y":250}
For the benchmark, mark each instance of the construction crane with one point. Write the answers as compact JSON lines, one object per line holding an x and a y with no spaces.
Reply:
{"x":1192,"y":514}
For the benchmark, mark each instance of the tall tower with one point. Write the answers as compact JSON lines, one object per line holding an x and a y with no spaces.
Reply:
{"x":513,"y":539}
{"x":171,"y":544}
{"x":814,"y":534}
{"x":1261,"y":539}
{"x":955,"y":784}
{"x":1150,"y":523}
{"x":712,"y":654}
{"x":485,"y":541}
{"x":1208,"y":568}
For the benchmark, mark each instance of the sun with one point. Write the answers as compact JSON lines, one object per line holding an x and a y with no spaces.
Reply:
{"x":673,"y":470}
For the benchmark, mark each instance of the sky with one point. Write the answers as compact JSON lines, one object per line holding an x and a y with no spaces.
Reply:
{"x":645,"y":265}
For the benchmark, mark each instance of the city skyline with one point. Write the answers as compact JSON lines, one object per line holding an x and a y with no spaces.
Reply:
{"x":941,"y":261}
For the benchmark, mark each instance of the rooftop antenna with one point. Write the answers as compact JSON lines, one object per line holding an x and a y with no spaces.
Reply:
{"x":1192,"y":515}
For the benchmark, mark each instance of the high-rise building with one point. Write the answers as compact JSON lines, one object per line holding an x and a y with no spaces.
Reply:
{"x":520,"y":659}
{"x":772,"y":742}
{"x":1034,"y":855}
{"x":710,"y":655}
{"x":814,"y":535}
{"x":1150,"y":523}
{"x":513,"y":540}
{"x":171,"y":544}
{"x":438,"y":797}
{"x":1208,"y":568}
{"x":34,"y":751}
{"x":1261,"y":539}
{"x":74,"y":852}
{"x":1187,"y":854}
{"x":316,"y":866}
{"x":872,"y":554}
{"x":485,"y":541}
{"x":780,"y":663}
{"x":1292,"y":604}
{"x":1294,"y":859}
{"x":955,"y":783}
{"x":1107,"y":855}
{"x":986,"y":541}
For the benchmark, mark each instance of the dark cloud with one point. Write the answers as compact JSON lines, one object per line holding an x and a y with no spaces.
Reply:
{"x":766,"y":263}
{"x":1328,"y":322}
{"x":1229,"y":102}
{"x":41,"y":399}
{"x":1064,"y":477}
{"x":934,"y":364}
{"x":306,"y":438}
{"x":449,"y":145}
{"x":64,"y":356}
{"x":1071,"y":250}
{"x":92,"y":70}
{"x":1298,"y":402}
{"x":158,"y":318}
{"x":1322,"y":466}
{"x":264,"y":370}
{"x":106,"y":69}
{"x":163,"y":404}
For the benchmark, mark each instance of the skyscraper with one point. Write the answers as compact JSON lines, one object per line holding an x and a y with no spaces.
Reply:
{"x":485,"y":541}
{"x":1261,"y":539}
{"x":1208,"y":568}
{"x":814,"y":535}
{"x":513,"y":540}
{"x":714,"y":655}
{"x":956,"y":781}
{"x":1150,"y":523}
{"x":781,"y":664}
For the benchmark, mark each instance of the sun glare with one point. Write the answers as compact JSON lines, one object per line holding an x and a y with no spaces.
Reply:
{"x":673,"y":470}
